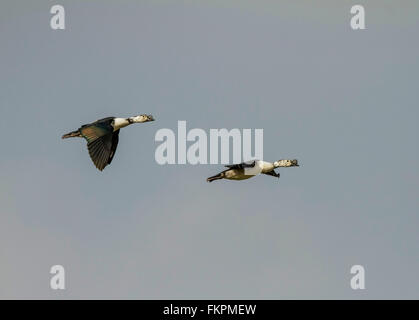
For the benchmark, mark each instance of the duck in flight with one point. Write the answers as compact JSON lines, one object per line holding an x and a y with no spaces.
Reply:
{"x":102,"y":137}
{"x":249,"y":169}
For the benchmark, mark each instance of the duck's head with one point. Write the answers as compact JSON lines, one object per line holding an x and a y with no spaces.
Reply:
{"x":141,"y":118}
{"x":286,"y":163}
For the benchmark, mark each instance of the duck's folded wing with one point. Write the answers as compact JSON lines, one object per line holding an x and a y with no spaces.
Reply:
{"x":272,"y":173}
{"x":93,"y":132}
{"x":247,"y":164}
{"x":102,"y":149}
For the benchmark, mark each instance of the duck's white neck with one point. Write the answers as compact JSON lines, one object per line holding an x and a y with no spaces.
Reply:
{"x":119,"y":123}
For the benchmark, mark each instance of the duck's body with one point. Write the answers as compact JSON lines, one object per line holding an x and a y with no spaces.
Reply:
{"x":249,"y":169}
{"x":102,"y":137}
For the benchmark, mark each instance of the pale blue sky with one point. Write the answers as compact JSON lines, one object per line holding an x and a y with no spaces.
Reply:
{"x":343,"y":102}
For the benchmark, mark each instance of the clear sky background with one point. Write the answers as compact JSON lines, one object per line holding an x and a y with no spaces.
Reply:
{"x":343,"y":102}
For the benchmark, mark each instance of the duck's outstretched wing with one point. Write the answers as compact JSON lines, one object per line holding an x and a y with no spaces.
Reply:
{"x":247,"y":164}
{"x":102,"y":149}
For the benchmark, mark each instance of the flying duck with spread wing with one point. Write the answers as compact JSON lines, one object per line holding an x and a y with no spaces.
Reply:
{"x":102,"y":137}
{"x":249,"y":169}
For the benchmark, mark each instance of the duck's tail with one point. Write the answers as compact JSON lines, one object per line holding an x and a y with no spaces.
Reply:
{"x":72,"y":134}
{"x":216,"y":177}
